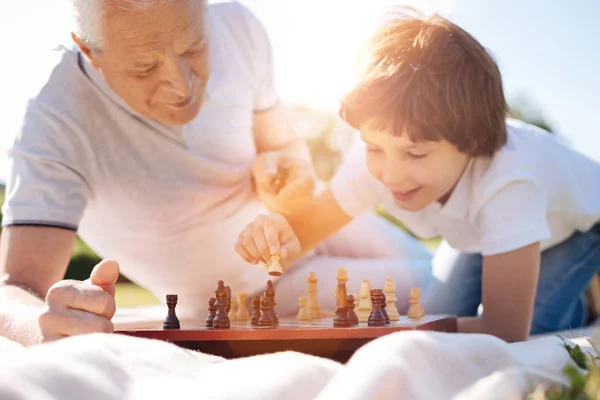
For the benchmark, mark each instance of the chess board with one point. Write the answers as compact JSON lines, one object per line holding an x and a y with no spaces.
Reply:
{"x":318,"y":337}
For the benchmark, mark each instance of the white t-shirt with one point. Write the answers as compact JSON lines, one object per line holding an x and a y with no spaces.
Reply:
{"x":533,"y":189}
{"x":167,"y":202}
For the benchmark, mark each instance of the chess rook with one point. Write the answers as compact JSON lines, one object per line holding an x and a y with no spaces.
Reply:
{"x":171,"y":321}
{"x":376,"y":318}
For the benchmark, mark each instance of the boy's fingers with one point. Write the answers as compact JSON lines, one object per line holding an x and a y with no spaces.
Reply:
{"x":271,"y":233}
{"x":241,"y":250}
{"x":250,"y":247}
{"x":260,"y":241}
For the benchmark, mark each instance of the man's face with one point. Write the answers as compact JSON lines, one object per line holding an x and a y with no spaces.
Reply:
{"x":157,"y":60}
{"x":417,"y":174}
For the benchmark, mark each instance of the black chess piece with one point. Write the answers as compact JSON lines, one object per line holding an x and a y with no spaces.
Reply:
{"x":270,"y":293}
{"x":376,"y":318}
{"x":221,"y":320}
{"x":212,"y":311}
{"x":383,"y":310}
{"x":352,"y":316}
{"x":265,"y":314}
{"x":341,"y":308}
{"x":171,"y":321}
{"x":255,"y":311}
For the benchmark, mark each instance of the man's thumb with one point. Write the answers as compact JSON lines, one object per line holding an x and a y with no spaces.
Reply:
{"x":105,"y":275}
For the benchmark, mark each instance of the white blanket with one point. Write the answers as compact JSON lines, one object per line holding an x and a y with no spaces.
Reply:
{"x":404,"y":365}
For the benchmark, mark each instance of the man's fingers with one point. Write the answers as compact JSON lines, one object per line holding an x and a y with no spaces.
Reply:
{"x":302,"y":186}
{"x":81,"y":296}
{"x":70,"y":322}
{"x":250,"y":246}
{"x":260,"y":241}
{"x":241,"y":250}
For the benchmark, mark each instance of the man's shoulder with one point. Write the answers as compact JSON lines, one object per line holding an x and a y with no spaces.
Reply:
{"x":67,"y":91}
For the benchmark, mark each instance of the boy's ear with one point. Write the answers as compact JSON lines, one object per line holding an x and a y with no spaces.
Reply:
{"x":85,"y":50}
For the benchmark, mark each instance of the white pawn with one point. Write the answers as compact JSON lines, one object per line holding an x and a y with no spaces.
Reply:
{"x":390,"y":300}
{"x":233,"y":310}
{"x":365,"y":305}
{"x":303,"y":314}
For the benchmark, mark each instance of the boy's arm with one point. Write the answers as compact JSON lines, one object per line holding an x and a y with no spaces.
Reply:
{"x":508,"y":292}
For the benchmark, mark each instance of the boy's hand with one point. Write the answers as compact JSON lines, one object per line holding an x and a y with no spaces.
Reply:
{"x":268,"y":235}
{"x":283,"y":182}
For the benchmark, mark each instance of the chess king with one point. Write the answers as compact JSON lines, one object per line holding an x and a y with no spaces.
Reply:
{"x":158,"y":136}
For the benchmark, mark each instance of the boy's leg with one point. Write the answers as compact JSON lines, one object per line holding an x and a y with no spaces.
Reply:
{"x":566,"y":271}
{"x":455,"y":287}
{"x":369,"y":248}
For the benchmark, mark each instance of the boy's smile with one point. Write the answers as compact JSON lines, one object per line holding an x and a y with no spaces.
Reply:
{"x":416,"y":173}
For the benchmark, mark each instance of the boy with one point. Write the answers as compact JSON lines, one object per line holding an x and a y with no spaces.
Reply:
{"x":518,"y":211}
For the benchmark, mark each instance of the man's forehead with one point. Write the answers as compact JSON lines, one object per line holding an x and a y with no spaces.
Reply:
{"x":140,"y":30}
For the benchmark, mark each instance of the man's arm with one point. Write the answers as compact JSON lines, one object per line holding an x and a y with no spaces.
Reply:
{"x":508,"y":290}
{"x":32,"y":259}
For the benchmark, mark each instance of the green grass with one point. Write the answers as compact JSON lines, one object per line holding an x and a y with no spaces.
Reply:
{"x":129,"y":295}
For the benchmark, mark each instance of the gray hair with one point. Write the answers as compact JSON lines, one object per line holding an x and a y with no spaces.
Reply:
{"x":88,"y":17}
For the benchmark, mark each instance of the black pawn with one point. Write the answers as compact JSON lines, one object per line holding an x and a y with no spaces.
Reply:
{"x":352,"y":317}
{"x":265,"y":315}
{"x":383,"y":310}
{"x":341,"y":308}
{"x":171,"y":321}
{"x":255,"y":311}
{"x":212,"y":311}
{"x":270,"y":293}
{"x":376,"y":318}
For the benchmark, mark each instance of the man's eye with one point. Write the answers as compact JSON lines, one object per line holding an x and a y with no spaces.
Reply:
{"x":413,"y":155}
{"x":192,"y":53}
{"x":146,"y":71}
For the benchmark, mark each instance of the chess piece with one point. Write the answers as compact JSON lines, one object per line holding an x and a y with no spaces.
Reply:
{"x":275,"y":266}
{"x":342,"y":277}
{"x":352,"y":317}
{"x":383,"y":308}
{"x":233,"y":307}
{"x":171,"y":321}
{"x":415,"y":311}
{"x":228,"y":289}
{"x":376,"y":318}
{"x":255,"y":311}
{"x":212,"y":311}
{"x":365,"y":305}
{"x":221,"y":320}
{"x":303,"y":314}
{"x":265,"y":312}
{"x":313,"y":303}
{"x":390,"y":299}
{"x":341,"y":307}
{"x":270,"y":293}
{"x":242,"y":314}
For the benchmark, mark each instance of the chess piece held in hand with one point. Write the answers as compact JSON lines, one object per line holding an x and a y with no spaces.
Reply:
{"x":171,"y":321}
{"x":275,"y":268}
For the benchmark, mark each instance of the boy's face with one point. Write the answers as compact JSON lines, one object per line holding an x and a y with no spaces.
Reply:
{"x":417,"y":174}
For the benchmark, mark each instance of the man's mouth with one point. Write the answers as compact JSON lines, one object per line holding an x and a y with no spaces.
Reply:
{"x":182,"y":104}
{"x":406,"y":195}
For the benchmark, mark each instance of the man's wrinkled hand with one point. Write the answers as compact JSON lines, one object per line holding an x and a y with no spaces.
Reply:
{"x":284,"y":183}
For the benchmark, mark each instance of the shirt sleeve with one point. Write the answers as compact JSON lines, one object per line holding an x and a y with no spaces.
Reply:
{"x":514,"y":217}
{"x":43,"y":187}
{"x":265,"y":96}
{"x":354,"y":188}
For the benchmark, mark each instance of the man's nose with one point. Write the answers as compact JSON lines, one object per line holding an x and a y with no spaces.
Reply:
{"x":179,"y":77}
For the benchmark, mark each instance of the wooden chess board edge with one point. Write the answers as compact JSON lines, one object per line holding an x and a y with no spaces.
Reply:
{"x":294,"y":332}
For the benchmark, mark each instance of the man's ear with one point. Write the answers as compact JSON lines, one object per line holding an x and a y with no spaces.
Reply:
{"x":86,"y":51}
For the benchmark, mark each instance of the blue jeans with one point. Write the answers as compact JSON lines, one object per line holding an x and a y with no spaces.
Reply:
{"x":560,"y":302}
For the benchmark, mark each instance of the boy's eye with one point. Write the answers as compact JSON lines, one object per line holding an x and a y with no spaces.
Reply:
{"x":413,"y":155}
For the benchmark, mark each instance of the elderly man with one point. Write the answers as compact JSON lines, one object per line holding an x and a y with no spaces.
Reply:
{"x":157,"y":139}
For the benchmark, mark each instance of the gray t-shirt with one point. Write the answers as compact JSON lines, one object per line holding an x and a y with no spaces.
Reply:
{"x":167,"y":202}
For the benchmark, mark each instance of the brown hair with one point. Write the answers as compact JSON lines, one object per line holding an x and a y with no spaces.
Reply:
{"x":432,"y":80}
